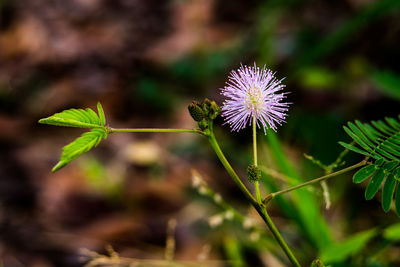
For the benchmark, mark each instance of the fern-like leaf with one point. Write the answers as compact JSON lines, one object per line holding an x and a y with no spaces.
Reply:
{"x":82,"y":118}
{"x":380,"y":141}
{"x":79,"y":146}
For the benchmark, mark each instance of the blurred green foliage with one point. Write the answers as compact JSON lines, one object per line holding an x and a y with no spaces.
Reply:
{"x":353,"y":244}
{"x":388,"y":82}
{"x":307,"y":208}
{"x":101,"y":180}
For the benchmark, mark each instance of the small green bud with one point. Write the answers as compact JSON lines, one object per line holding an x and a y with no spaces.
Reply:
{"x":203,"y":124}
{"x":196,"y":111}
{"x":317,"y":263}
{"x":215,"y":110}
{"x":206,"y":106}
{"x":253,"y":173}
{"x":211,"y":109}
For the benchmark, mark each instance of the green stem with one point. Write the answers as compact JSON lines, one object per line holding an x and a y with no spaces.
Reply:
{"x":154,"y":130}
{"x":259,"y":207}
{"x":256,"y":185}
{"x":325,"y":177}
{"x":214,"y":144}
{"x":275,"y":232}
{"x":228,"y":167}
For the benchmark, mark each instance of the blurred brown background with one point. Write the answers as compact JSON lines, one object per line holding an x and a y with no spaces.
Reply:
{"x":145,"y":61}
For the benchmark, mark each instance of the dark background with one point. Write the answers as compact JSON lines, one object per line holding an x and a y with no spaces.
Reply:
{"x":145,"y":61}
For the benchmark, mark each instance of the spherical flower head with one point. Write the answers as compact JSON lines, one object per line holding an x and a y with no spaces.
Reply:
{"x":254,"y":93}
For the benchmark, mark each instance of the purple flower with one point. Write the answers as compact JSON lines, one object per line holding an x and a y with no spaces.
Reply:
{"x":254,"y":92}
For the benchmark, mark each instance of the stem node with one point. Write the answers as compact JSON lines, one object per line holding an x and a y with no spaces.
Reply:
{"x":268,"y":198}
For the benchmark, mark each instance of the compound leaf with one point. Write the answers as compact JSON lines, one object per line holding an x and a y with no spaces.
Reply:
{"x":354,"y":148}
{"x":79,"y":146}
{"x":378,"y":139}
{"x":82,"y":118}
{"x":101,"y":114}
{"x":389,"y":166}
{"x":380,"y":142}
{"x":388,"y":191}
{"x":364,"y":173}
{"x":374,"y":184}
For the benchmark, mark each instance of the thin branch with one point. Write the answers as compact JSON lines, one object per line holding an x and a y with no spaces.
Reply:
{"x":153,"y":130}
{"x":325,"y":177}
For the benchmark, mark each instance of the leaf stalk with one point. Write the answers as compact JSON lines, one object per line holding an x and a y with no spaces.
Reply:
{"x":153,"y":130}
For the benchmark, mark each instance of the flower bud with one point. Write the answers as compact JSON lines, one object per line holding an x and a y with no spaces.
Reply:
{"x":253,"y":173}
{"x":215,"y":110}
{"x":203,"y":124}
{"x":206,"y":106}
{"x":196,"y":111}
{"x":211,"y":109}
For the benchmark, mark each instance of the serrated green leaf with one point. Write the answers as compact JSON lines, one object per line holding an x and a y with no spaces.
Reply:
{"x":94,"y":118}
{"x":353,"y":148}
{"x":82,"y":118}
{"x":79,"y":146}
{"x":101,"y":113}
{"x":364,"y":173}
{"x":389,"y":166}
{"x":397,"y":199}
{"x":374,"y":184}
{"x":388,"y":191}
